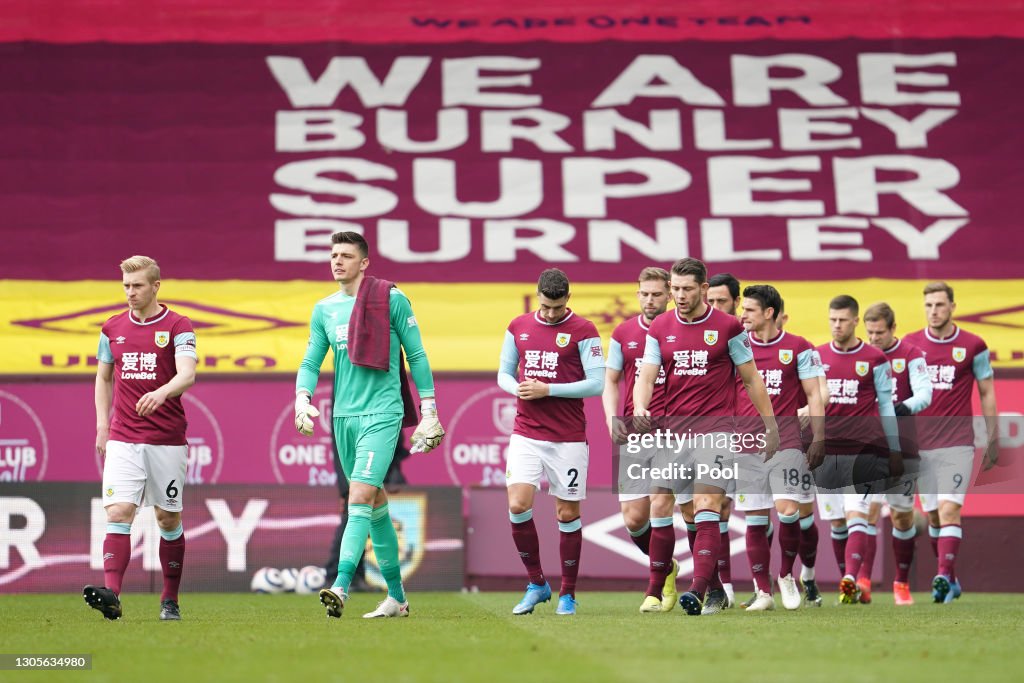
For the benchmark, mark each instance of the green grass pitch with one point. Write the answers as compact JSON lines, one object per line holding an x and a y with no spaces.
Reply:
{"x":473,"y":637}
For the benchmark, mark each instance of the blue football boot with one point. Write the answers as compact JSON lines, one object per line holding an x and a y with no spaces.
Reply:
{"x":534,"y":595}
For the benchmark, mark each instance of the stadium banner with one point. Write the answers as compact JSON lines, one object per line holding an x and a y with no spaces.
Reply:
{"x":493,"y":21}
{"x":793,"y":159}
{"x":51,"y":536}
{"x":243,"y":433}
{"x":260,"y":327}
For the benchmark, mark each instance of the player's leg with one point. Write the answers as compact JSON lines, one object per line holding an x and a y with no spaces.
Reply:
{"x":857,"y":508}
{"x":759,"y":553}
{"x":788,"y":510}
{"x":707,"y":501}
{"x":661,"y":562}
{"x":952,"y":476}
{"x":809,"y":552}
{"x":636,"y":515}
{"x":659,"y":595}
{"x":901,"y":515}
{"x":789,"y":482}
{"x":832,"y":509}
{"x":635,"y":502}
{"x":360,"y":508}
{"x":713,"y":468}
{"x":124,"y":479}
{"x":566,"y":467}
{"x":375,"y":450}
{"x":870,"y":546}
{"x":725,"y":554}
{"x":165,"y":490}
{"x":386,"y":550}
{"x":524,"y":470}
{"x":754,"y":499}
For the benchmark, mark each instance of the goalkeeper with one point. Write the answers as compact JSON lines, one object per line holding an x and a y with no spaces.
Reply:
{"x":367,"y":324}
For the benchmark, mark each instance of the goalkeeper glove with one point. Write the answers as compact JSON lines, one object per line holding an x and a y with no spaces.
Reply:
{"x":304,"y":414}
{"x":429,"y":433}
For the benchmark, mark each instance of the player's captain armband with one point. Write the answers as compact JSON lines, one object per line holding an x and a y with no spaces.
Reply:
{"x":185,"y":345}
{"x":982,"y":365}
{"x":103,"y":353}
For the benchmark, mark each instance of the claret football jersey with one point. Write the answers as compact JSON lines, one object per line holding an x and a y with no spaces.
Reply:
{"x":143,"y":354}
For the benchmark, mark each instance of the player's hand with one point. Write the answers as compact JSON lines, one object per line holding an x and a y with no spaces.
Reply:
{"x":148,"y":404}
{"x":102,"y":436}
{"x":642,"y":419}
{"x":804,"y":415}
{"x":531,"y":389}
{"x":991,"y":455}
{"x":618,"y":430}
{"x":815,"y":454}
{"x":771,"y":443}
{"x":901,"y":409}
{"x":429,"y":433}
{"x":304,"y":414}
{"x":895,"y":465}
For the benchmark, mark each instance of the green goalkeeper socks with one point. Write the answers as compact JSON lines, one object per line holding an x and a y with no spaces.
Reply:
{"x":385,"y":547}
{"x":353,"y":543}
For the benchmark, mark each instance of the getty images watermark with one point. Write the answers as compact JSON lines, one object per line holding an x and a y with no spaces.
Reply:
{"x":862,"y":454}
{"x":668,"y":448}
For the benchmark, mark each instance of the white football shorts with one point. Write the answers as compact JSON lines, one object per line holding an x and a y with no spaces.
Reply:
{"x":945,"y":475}
{"x":143,"y":474}
{"x":563,"y":464}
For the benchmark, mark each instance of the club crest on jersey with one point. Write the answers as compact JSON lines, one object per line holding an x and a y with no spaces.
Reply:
{"x":162,"y":339}
{"x":959,"y":354}
{"x":899,"y":364}
{"x":562,"y":340}
{"x":861,"y":368}
{"x":710,"y":337}
{"x":785,"y":356}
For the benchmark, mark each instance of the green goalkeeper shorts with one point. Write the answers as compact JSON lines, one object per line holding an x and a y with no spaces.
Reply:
{"x":366,"y":445}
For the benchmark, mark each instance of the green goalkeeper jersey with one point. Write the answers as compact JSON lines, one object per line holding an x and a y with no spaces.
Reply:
{"x":359,"y":390}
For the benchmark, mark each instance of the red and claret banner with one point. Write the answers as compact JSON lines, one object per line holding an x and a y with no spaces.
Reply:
{"x":801,"y":158}
{"x":495,"y":21}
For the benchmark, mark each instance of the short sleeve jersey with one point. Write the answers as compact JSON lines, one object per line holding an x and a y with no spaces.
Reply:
{"x":953,"y":364}
{"x":143,"y":354}
{"x":699,"y":358}
{"x":852,"y":378}
{"x":551,"y":354}
{"x":783,"y":363}
{"x":905,"y":359}
{"x":626,"y":354}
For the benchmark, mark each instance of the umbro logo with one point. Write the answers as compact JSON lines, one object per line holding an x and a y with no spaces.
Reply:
{"x":119,"y":340}
{"x":524,"y":555}
{"x":570,"y":563}
{"x":670,"y":338}
{"x":108,"y":556}
{"x":704,"y":553}
{"x":524,"y":336}
{"x":174,"y":565}
{"x":632,"y":345}
{"x":950,"y":556}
